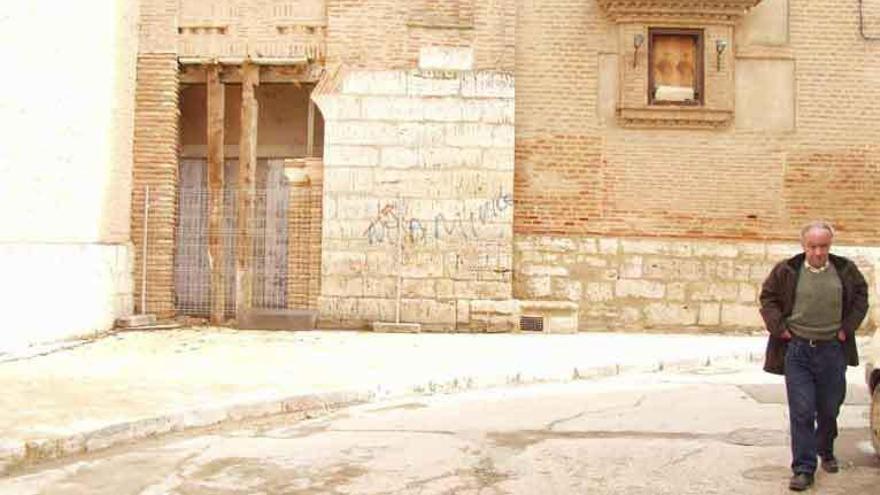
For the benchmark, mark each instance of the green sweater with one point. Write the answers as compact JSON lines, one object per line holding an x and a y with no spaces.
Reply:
{"x":818,"y":303}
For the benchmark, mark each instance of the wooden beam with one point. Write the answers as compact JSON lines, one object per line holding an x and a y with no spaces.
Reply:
{"x":216,"y":106}
{"x":193,"y":74}
{"x":247,"y":166}
{"x":231,"y":74}
{"x":285,"y":74}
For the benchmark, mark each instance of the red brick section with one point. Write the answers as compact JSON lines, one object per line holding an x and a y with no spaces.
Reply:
{"x":387,"y":34}
{"x":155,"y":165}
{"x":315,"y":211}
{"x":853,"y":174}
{"x":304,"y":238}
{"x":565,"y":204}
{"x":158,"y":26}
{"x":574,"y":175}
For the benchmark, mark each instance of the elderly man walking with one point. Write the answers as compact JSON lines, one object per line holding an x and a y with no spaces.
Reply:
{"x":812,"y":305}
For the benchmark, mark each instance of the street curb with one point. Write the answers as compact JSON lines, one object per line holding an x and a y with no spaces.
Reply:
{"x":19,"y":454}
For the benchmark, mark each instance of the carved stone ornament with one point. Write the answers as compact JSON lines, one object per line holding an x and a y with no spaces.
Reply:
{"x":722,"y":10}
{"x":674,"y":118}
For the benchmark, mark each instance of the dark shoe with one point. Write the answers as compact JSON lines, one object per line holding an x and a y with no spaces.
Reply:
{"x":800,"y":482}
{"x":830,"y":465}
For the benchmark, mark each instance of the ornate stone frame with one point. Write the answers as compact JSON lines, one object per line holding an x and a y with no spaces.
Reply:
{"x":717,"y":20}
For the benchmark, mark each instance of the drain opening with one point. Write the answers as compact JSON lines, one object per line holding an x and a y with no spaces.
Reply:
{"x":531,"y":323}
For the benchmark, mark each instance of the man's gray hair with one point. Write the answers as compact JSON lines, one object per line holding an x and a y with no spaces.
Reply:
{"x":816,"y":224}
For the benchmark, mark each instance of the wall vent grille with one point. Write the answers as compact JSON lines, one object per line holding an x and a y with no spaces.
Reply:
{"x":531,"y":323}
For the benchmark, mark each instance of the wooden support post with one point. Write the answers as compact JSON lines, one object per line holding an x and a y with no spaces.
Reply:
{"x":247,"y":166}
{"x":310,"y":129}
{"x":216,"y":105}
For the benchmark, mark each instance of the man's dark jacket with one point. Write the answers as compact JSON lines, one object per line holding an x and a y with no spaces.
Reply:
{"x":777,"y":303}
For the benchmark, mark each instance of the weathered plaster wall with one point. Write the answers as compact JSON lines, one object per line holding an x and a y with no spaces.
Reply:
{"x":65,"y":167}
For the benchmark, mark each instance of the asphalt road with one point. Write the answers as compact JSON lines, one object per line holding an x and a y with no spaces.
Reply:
{"x":713,"y":430}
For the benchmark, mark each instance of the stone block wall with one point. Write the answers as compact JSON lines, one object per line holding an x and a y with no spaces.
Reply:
{"x":418,"y":174}
{"x":662,"y":284}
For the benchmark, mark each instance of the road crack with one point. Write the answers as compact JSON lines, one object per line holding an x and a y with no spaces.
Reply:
{"x":637,"y":403}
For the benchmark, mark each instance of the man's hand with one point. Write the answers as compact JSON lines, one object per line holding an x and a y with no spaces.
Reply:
{"x":786,"y":335}
{"x":841,"y":335}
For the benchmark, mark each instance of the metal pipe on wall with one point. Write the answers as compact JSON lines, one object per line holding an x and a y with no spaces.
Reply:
{"x":144,"y":250}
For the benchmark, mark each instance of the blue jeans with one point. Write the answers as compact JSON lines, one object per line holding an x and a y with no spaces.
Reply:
{"x":815,"y":380}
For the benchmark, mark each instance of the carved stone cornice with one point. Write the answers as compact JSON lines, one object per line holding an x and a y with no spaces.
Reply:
{"x":674,"y":118}
{"x":633,"y":10}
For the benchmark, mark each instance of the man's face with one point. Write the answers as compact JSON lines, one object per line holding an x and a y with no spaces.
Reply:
{"x":817,"y":243}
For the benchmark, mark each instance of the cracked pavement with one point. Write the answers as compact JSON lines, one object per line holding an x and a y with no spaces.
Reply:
{"x":696,"y":432}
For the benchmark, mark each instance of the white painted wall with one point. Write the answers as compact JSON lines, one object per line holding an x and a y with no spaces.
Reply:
{"x":67,"y":115}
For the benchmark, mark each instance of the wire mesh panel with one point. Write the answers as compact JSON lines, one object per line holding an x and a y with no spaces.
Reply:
{"x":278,"y":230}
{"x":268,"y":233}
{"x":192,"y":273}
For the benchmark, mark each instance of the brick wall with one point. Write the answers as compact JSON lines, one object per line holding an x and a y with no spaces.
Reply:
{"x":580,"y":173}
{"x":158,"y":26}
{"x":155,"y":165}
{"x":386,"y":34}
{"x":838,"y":109}
{"x":380,"y":34}
{"x":256,"y":28}
{"x":304,"y":236}
{"x":156,"y":136}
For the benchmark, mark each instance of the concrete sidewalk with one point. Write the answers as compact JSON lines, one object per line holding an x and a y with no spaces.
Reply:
{"x":137,"y":384}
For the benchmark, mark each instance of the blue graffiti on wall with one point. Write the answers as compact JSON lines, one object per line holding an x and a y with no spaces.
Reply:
{"x":463,"y":225}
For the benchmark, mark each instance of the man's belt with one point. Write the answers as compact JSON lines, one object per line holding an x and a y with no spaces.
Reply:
{"x":814,"y":342}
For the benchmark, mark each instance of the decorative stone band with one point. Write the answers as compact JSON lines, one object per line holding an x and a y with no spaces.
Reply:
{"x":623,"y":10}
{"x":211,"y":42}
{"x":675,"y":117}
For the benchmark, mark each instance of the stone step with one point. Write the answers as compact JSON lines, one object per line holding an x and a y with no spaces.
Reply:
{"x":391,"y":327}
{"x":135,"y":321}
{"x":279,"y":319}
